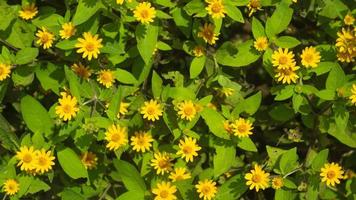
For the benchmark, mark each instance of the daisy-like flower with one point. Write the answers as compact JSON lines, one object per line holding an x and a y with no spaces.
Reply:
{"x":310,"y":57}
{"x":227,"y":126}
{"x":349,"y":19}
{"x":26,"y":157}
{"x":242,"y":127}
{"x":145,"y":13}
{"x":89,"y":45}
{"x":28,"y":11}
{"x":277,"y":183}
{"x":82,"y":71}
{"x":141,"y":141}
{"x":161,"y":162}
{"x":120,"y":2}
{"x":68,"y":30}
{"x":346,"y":45}
{"x":68,"y":107}
{"x":5,"y":71}
{"x":44,"y":38}
{"x":11,"y":187}
{"x":283,"y":58}
{"x":257,"y":178}
{"x":216,"y":9}
{"x":331,"y":173}
{"x":207,"y":33}
{"x":206,"y":189}
{"x":225,"y":91}
{"x":106,"y":78}
{"x":188,"y":148}
{"x":43,"y":161}
{"x":287,"y":75}
{"x":116,"y":136}
{"x":151,"y":110}
{"x":253,"y":6}
{"x":353,"y":94}
{"x":261,"y":44}
{"x":123,"y":109}
{"x":164,"y":191}
{"x":186,"y":110}
{"x":179,"y":174}
{"x":198,"y":51}
{"x":89,"y":160}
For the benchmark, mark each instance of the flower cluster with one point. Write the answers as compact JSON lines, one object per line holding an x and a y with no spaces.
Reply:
{"x":35,"y":161}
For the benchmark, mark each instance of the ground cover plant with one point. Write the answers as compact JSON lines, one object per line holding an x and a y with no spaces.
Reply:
{"x":177,"y":99}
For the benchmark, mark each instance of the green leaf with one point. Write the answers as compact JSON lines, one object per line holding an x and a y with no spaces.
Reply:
{"x":66,"y":44}
{"x":124,"y":76}
{"x":257,"y":28}
{"x":279,"y":20}
{"x":8,"y":139}
{"x":196,"y":66}
{"x":326,"y":94}
{"x":74,"y":85}
{"x":7,"y":14}
{"x":35,"y":116}
{"x":179,"y":93}
{"x":38,"y":185}
{"x":132,"y":195}
{"x":237,"y":55}
{"x":224,"y":157}
{"x":287,"y":42}
{"x":130,"y":176}
{"x":23,"y":76}
{"x":336,"y":78}
{"x":289,"y":161}
{"x":26,"y":55}
{"x":232,"y":189}
{"x":70,"y":194}
{"x":281,"y":113}
{"x":249,"y":105}
{"x":50,"y":77}
{"x":297,"y":102}
{"x":214,"y":120}
{"x":285,"y":93}
{"x":282,"y":194}
{"x":312,"y":192}
{"x":194,"y":7}
{"x":182,"y":21}
{"x":344,"y":136}
{"x":71,"y":164}
{"x":246,"y":143}
{"x":235,"y":13}
{"x":323,"y":67}
{"x":320,"y":159}
{"x":273,"y":154}
{"x":156,"y":85}
{"x":86,"y":9}
{"x":146,"y":37}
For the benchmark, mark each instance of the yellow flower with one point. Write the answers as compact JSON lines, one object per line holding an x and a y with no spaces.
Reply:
{"x":82,"y":71}
{"x":120,"y":2}
{"x":207,"y":33}
{"x":253,"y":6}
{"x":331,"y":173}
{"x":67,"y":107}
{"x":5,"y":71}
{"x":295,"y":1}
{"x":257,"y":178}
{"x":106,"y":78}
{"x":68,"y":30}
{"x":188,"y":148}
{"x":287,"y":75}
{"x":261,"y":44}
{"x":26,"y":157}
{"x":349,"y":19}
{"x":198,"y":51}
{"x":141,"y":141}
{"x":144,"y":13}
{"x":310,"y":57}
{"x":211,"y":106}
{"x":89,"y":160}
{"x":216,"y":9}
{"x":242,"y":127}
{"x":151,"y":110}
{"x":11,"y":187}
{"x":283,"y":58}
{"x":116,"y":136}
{"x":186,"y":110}
{"x":164,"y":191}
{"x":44,"y":38}
{"x":179,"y":174}
{"x":225,"y":91}
{"x":89,"y":45}
{"x":161,"y":162}
{"x":123,"y":109}
{"x":206,"y":189}
{"x":346,"y":45}
{"x":353,"y":94}
{"x":277,"y":183}
{"x":28,"y":11}
{"x":227,"y":126}
{"x":43,"y":161}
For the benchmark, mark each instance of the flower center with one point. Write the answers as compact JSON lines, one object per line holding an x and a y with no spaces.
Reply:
{"x":44,"y":38}
{"x":187,"y":150}
{"x":42,"y":161}
{"x":188,"y":111}
{"x":67,"y":108}
{"x":164,"y":194}
{"x":308,"y":58}
{"x":27,"y":158}
{"x":331,"y":174}
{"x":256,"y":178}
{"x":205,"y":190}
{"x":151,"y":110}
{"x":283,"y":60}
{"x":163,"y":164}
{"x":106,"y":77}
{"x":115,"y":137}
{"x":141,"y":141}
{"x":242,"y":128}
{"x":208,"y":34}
{"x":216,"y":7}
{"x":287,"y":72}
{"x":11,"y":187}
{"x":144,"y":13}
{"x":90,"y":46}
{"x":255,"y":3}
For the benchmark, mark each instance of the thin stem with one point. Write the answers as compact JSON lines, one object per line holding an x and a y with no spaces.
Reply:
{"x":105,"y":191}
